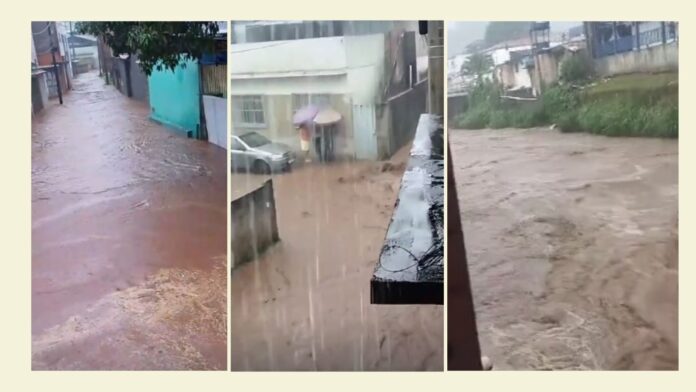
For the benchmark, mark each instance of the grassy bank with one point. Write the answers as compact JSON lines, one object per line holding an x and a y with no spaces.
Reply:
{"x":632,"y":105}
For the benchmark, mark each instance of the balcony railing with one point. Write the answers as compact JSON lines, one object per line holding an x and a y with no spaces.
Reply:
{"x":410,"y":268}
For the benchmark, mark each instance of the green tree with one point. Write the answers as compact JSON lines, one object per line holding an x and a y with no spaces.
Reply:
{"x":478,"y":64}
{"x":503,"y":31}
{"x":159,"y":45}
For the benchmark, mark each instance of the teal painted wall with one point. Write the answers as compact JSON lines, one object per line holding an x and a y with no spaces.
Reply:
{"x":174,"y":99}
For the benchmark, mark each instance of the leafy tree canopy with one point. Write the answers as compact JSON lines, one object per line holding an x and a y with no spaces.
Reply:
{"x":503,"y":31}
{"x":478,"y":64}
{"x":159,"y":45}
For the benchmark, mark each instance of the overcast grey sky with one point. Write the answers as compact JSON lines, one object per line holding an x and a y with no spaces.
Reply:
{"x":460,"y":34}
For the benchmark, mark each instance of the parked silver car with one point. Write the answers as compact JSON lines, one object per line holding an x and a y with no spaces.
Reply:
{"x":253,"y":152}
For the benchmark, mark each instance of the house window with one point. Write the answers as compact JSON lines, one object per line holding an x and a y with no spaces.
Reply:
{"x":248,"y":110}
{"x":301,"y":100}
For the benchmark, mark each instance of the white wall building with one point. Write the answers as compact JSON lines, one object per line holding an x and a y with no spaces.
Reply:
{"x":273,"y":79}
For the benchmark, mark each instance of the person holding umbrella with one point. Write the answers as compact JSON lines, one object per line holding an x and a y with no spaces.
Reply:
{"x":305,"y":138}
{"x":323,"y":124}
{"x":303,"y":119}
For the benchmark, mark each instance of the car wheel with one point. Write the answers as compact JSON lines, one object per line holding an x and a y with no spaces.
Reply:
{"x":261,"y":167}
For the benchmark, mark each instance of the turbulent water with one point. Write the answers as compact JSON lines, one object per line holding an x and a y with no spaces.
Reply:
{"x":128,"y":239}
{"x":572,"y":245}
{"x":305,"y":303}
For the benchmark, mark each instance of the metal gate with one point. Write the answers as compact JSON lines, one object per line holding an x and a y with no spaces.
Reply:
{"x":365,"y":131}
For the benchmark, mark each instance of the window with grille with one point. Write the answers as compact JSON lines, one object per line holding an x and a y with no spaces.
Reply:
{"x":248,"y":110}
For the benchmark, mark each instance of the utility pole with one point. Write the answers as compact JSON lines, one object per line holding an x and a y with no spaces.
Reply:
{"x":72,"y":43}
{"x":436,"y":61}
{"x":537,"y":45}
{"x":99,"y":56}
{"x":54,"y":49}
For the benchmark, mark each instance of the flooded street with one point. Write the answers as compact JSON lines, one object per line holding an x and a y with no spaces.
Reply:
{"x":572,"y":246}
{"x":128,"y":238}
{"x":305,"y":304}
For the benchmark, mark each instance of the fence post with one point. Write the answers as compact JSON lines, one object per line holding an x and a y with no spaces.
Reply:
{"x":129,"y":87}
{"x":55,"y":66}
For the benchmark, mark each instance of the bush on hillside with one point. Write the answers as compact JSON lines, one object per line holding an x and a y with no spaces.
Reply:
{"x":558,"y":101}
{"x":474,"y":118}
{"x":576,"y":69}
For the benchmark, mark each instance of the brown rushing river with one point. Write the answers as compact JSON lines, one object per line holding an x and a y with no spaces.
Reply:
{"x":305,"y":303}
{"x":572,"y":245}
{"x":128,"y":239}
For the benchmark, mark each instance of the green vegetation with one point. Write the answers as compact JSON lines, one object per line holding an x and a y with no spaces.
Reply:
{"x":618,"y":117}
{"x":159,"y":45}
{"x":631,"y":105}
{"x":477,"y":65}
{"x":576,"y":69}
{"x":487,"y":110}
{"x":636,"y":83}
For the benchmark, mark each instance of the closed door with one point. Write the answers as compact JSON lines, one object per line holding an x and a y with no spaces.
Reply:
{"x":365,"y":131}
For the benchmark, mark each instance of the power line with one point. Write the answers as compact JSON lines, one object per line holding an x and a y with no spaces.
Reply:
{"x":259,"y":48}
{"x":48,"y":24}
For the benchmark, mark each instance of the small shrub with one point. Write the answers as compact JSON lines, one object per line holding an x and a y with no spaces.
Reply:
{"x":575,"y":69}
{"x":486,"y":94}
{"x":559,"y":100}
{"x":475,"y":118}
{"x":661,"y":121}
{"x":499,"y":119}
{"x":568,"y":122}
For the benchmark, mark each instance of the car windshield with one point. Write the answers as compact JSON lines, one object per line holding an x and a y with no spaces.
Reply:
{"x":254,"y":139}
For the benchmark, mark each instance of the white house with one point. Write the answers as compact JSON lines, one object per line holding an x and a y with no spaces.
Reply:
{"x":349,"y":66}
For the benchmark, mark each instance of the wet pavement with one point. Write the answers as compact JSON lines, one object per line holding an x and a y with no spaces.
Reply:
{"x":572,"y":245}
{"x":128,"y":238}
{"x":305,"y":303}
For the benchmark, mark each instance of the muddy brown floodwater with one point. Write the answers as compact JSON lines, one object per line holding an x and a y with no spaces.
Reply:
{"x":305,"y":303}
{"x":128,"y":239}
{"x":572,"y":246}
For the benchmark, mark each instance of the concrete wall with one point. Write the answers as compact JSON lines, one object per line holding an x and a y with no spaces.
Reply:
{"x":280,"y":57}
{"x":404,"y":110}
{"x":365,"y":59}
{"x":39,"y":92}
{"x":457,"y":104}
{"x":43,"y":41}
{"x":122,"y":75}
{"x":660,"y":58}
{"x":51,"y":80}
{"x":174,"y":98}
{"x":548,"y":64}
{"x":139,"y":82}
{"x":318,"y":84}
{"x":253,"y":225}
{"x":119,"y":75}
